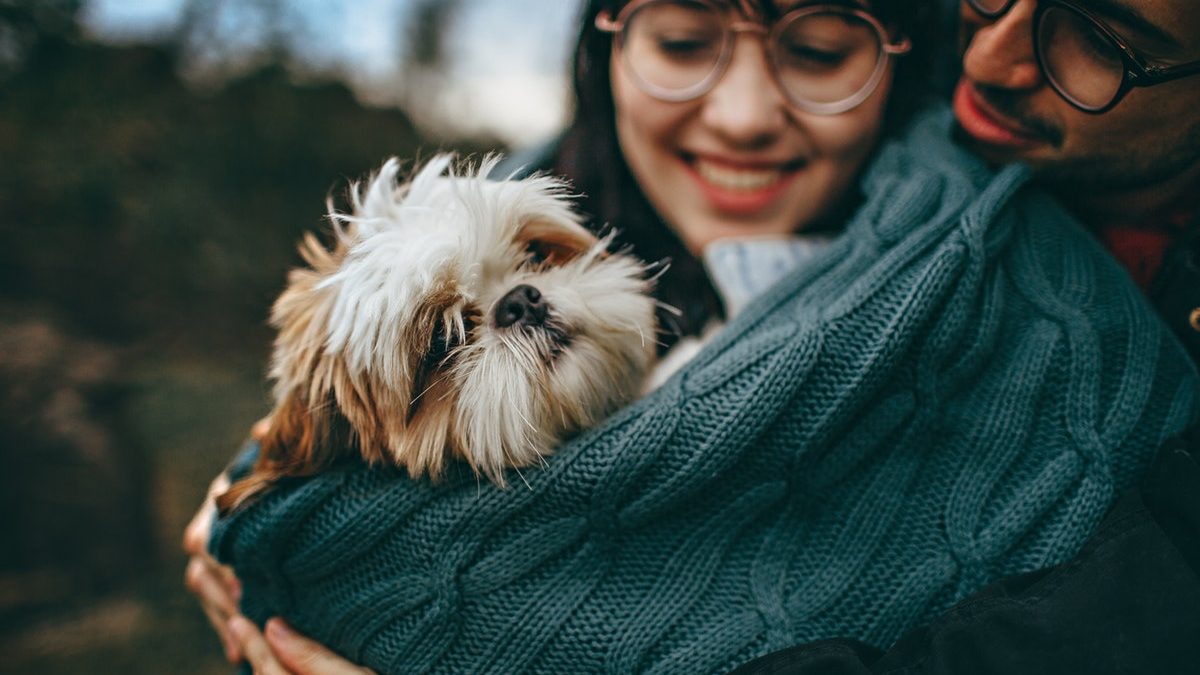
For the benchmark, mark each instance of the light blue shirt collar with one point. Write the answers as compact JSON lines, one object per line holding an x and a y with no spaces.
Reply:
{"x":740,"y":269}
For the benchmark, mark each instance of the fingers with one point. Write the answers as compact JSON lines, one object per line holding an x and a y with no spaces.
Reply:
{"x":255,"y":648}
{"x":214,"y":585}
{"x":303,"y":656}
{"x":217,"y":603}
{"x":195,"y":535}
{"x":229,"y":643}
{"x":205,"y":581}
{"x":203,"y":577}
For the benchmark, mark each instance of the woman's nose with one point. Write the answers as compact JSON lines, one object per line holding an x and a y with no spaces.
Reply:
{"x":746,"y":107}
{"x":999,"y":52}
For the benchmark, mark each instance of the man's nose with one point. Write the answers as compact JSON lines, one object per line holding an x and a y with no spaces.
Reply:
{"x":999,"y":52}
{"x":746,"y":107}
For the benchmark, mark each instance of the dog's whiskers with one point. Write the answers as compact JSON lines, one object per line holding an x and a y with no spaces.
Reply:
{"x":431,"y":386}
{"x":523,"y":479}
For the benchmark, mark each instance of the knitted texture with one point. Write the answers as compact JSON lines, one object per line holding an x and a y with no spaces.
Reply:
{"x":952,"y":392}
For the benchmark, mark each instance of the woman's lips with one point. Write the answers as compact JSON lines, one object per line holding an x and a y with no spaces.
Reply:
{"x":740,"y":188}
{"x":987,"y":125}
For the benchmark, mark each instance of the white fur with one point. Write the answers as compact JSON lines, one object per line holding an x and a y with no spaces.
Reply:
{"x":445,"y":248}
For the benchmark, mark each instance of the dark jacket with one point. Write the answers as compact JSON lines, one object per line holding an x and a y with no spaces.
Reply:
{"x":1128,"y":603}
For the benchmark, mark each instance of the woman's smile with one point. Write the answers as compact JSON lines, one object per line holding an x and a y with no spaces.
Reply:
{"x":741,"y":160}
{"x":740,"y":187}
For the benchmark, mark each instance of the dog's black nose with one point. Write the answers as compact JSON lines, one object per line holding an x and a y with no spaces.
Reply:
{"x":522,"y":305}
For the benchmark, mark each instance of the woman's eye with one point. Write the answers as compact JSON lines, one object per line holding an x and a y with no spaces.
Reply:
{"x":682,"y":46}
{"x":685,"y":48}
{"x":806,"y":56}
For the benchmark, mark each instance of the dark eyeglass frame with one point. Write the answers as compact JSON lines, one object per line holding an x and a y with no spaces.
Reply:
{"x":606,"y":23}
{"x":1138,"y":70}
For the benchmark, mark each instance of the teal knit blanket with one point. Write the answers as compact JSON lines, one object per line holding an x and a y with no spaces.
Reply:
{"x":953,"y":391}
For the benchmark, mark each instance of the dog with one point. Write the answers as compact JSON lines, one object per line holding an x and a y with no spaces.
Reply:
{"x":453,"y":317}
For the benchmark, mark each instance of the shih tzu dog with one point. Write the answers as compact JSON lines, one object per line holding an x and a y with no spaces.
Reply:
{"x":453,"y":317}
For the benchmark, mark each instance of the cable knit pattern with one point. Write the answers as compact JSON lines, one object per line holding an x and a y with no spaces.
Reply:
{"x":951,"y":392}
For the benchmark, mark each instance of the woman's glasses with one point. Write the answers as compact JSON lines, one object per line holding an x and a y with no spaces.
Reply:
{"x":1084,"y":60}
{"x":826,"y":59}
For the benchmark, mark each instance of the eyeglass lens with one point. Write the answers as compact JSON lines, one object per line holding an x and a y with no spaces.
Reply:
{"x":1080,"y":61}
{"x":678,"y":48}
{"x":990,"y":8}
{"x":826,"y":57}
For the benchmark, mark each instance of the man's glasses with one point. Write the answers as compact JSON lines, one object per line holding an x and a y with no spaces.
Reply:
{"x":826,"y":59}
{"x":1084,"y":60}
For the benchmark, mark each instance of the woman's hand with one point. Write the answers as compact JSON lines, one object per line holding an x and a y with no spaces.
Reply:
{"x":214,"y":585}
{"x":282,"y":650}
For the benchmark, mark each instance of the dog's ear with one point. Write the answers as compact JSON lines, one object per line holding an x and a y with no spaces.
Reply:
{"x":306,"y":433}
{"x":302,"y":440}
{"x":556,"y":240}
{"x":427,"y":438}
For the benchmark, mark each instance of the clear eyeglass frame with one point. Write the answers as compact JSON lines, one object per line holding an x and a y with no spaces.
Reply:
{"x":771,"y":35}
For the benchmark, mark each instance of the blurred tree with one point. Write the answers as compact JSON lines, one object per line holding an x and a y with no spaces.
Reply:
{"x":137,"y":206}
{"x":217,"y":40}
{"x":22,"y":22}
{"x":424,"y":59}
{"x":145,"y":223}
{"x":429,"y":26}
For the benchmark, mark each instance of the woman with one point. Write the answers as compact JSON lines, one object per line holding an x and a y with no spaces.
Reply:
{"x":790,"y":517}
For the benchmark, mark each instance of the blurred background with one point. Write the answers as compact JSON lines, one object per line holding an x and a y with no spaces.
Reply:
{"x":159,"y":159}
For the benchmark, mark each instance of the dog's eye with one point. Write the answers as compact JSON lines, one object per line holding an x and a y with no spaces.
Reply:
{"x":446,"y":338}
{"x":441,"y":343}
{"x":537,"y":252}
{"x":554,"y":241}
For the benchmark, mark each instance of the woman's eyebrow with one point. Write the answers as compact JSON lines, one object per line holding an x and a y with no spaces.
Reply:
{"x":1127,"y":15}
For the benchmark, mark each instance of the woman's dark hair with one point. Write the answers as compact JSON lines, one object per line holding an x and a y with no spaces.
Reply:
{"x":590,"y":157}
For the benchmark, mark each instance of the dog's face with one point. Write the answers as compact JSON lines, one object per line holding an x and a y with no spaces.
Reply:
{"x":455,"y":316}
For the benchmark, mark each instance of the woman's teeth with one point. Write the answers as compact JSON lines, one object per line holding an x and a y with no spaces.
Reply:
{"x":737,"y":179}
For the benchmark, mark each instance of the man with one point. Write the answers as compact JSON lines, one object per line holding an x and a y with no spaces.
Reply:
{"x":1100,"y":98}
{"x":1131,"y":171}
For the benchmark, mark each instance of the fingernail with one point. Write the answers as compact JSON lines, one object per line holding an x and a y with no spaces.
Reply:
{"x":240,"y":626}
{"x":277,"y":627}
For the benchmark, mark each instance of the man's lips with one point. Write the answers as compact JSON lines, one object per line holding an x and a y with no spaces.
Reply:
{"x":740,"y":187}
{"x":985,"y":124}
